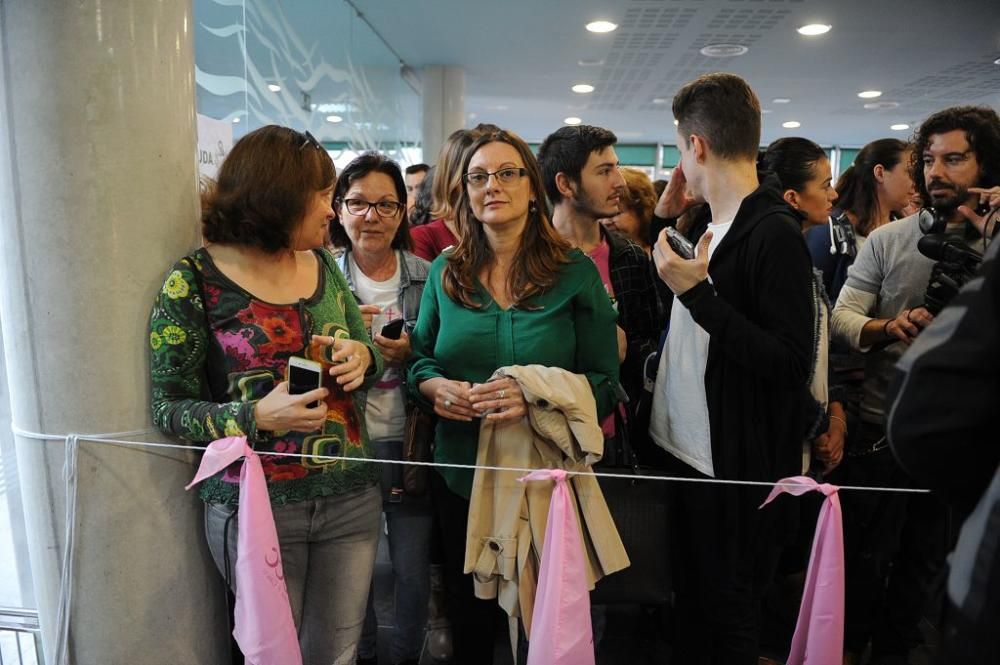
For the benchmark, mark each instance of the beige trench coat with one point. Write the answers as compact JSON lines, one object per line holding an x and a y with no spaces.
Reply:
{"x":507,"y":518}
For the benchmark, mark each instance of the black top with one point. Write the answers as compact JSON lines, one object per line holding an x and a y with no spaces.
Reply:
{"x":758,"y":311}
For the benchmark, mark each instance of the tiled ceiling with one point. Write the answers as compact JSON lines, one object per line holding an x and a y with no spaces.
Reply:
{"x":924,"y":55}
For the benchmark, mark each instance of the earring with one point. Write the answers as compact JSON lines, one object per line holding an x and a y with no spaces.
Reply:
{"x":533,"y":207}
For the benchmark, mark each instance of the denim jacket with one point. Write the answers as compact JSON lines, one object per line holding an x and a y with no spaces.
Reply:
{"x":413,"y":272}
{"x":412,"y":277}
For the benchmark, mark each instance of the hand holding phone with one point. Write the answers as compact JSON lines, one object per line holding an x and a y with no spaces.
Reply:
{"x":679,"y":243}
{"x":303,"y":376}
{"x":393,"y":329}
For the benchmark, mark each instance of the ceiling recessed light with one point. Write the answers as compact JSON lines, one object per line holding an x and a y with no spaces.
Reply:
{"x":660,"y":100}
{"x":870,"y":94}
{"x":334,"y":118}
{"x":583,"y":88}
{"x":724,"y":50}
{"x":236,"y":119}
{"x":791,"y":124}
{"x":572,"y":120}
{"x":765,"y":111}
{"x":814,"y":29}
{"x":601,"y":26}
{"x":881,"y":105}
{"x":590,"y":63}
{"x":676,"y":122}
{"x":898,"y":127}
{"x":781,"y":100}
{"x":274,"y":87}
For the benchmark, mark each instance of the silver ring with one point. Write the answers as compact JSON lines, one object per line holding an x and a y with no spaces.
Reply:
{"x":447,"y":404}
{"x":502,"y":394}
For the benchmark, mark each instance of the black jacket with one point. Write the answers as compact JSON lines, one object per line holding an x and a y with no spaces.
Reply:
{"x":758,"y":311}
{"x":639,"y":310}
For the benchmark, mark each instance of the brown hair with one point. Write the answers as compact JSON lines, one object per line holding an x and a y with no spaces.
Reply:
{"x":264,"y":187}
{"x":641,"y":199}
{"x":724,"y":111}
{"x":541,"y":251}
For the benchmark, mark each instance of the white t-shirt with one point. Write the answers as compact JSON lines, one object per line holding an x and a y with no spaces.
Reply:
{"x":385,"y":414}
{"x":679,"y":422}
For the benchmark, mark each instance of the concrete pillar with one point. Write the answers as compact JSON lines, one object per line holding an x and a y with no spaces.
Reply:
{"x":443,"y":102}
{"x":98,"y":195}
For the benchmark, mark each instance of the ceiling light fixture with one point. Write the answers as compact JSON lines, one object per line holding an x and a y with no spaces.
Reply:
{"x":334,"y":119}
{"x":781,"y":100}
{"x":881,"y":105}
{"x":791,"y":124}
{"x":236,"y":119}
{"x":572,"y":120}
{"x":814,"y":29}
{"x":765,"y":111}
{"x":997,"y":61}
{"x":583,"y":88}
{"x":870,"y":94}
{"x":590,"y":63}
{"x":676,"y":122}
{"x":602,"y":26}
{"x":898,"y":127}
{"x":724,"y":50}
{"x":660,"y":100}
{"x":274,"y":87}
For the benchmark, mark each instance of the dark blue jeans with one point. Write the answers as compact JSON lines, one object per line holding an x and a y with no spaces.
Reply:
{"x":409,"y":536}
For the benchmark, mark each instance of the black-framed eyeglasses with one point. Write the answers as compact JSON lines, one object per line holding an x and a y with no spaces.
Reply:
{"x":310,"y":140}
{"x":360,"y":207}
{"x":505,"y":176}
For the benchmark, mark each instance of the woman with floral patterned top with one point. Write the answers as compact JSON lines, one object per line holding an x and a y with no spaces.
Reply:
{"x":224,"y":325}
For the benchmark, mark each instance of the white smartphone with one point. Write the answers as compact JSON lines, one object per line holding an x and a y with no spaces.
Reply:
{"x":304,"y":375}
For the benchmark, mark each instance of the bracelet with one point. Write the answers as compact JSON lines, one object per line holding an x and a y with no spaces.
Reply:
{"x":885,"y":329}
{"x":841,"y":420}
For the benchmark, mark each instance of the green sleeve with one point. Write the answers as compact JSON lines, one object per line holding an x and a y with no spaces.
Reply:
{"x":356,"y":325}
{"x":594,"y":320}
{"x":179,"y":339}
{"x":422,"y":365}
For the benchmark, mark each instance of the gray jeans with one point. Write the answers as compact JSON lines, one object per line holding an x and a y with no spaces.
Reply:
{"x":328,"y":552}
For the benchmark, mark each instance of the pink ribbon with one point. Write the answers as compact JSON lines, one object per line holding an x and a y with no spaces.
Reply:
{"x":264,"y":629}
{"x":560,"y":627}
{"x":819,"y":632}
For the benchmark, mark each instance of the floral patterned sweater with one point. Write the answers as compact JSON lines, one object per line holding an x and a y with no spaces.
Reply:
{"x":217,"y":350}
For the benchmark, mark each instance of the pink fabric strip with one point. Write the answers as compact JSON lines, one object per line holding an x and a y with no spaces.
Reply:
{"x":264,"y":629}
{"x":819,"y":632}
{"x":560,"y":628}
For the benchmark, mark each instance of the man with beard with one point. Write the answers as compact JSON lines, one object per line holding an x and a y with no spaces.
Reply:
{"x":582,"y":180}
{"x":880,"y":311}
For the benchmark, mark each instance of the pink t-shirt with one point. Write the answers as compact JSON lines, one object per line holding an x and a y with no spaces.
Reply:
{"x":431,"y":239}
{"x":601,"y":256}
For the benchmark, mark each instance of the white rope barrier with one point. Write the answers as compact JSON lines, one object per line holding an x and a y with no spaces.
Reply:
{"x":112,"y":439}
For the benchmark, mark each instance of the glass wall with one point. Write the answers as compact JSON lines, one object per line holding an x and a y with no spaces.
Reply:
{"x":309,"y":66}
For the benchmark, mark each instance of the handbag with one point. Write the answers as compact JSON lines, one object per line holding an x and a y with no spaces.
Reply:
{"x":418,"y":436}
{"x":641,"y":511}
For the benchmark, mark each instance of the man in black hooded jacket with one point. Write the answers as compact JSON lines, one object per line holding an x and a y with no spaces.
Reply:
{"x":728,"y":401}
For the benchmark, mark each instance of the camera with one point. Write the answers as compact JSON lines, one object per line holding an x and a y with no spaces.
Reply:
{"x":956,"y":264}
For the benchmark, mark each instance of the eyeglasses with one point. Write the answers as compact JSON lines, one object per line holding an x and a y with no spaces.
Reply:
{"x":360,"y":207}
{"x":310,"y":140}
{"x":508,"y":176}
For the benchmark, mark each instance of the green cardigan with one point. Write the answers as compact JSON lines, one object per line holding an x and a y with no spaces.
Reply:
{"x":572,"y":326}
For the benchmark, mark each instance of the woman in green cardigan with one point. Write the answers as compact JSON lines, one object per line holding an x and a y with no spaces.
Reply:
{"x":511,"y":293}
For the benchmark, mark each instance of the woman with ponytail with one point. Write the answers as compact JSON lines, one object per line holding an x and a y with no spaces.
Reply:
{"x":870,"y":193}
